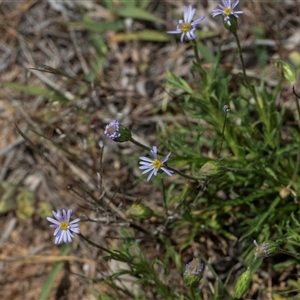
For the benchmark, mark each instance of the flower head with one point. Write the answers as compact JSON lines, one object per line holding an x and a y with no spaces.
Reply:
{"x":187,"y":27}
{"x":266,"y":249}
{"x":193,"y":272}
{"x":112,"y":130}
{"x":152,"y":166}
{"x":227,"y":10}
{"x":63,"y":226}
{"x":115,"y":131}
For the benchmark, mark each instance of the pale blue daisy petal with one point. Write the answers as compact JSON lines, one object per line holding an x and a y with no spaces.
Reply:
{"x":167,"y":171}
{"x":226,"y":9}
{"x":144,"y":158}
{"x":187,"y":27}
{"x":154,"y":165}
{"x":63,"y":227}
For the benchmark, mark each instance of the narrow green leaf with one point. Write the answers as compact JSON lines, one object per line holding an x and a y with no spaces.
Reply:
{"x":27,"y":139}
{"x":178,"y":83}
{"x":146,"y":35}
{"x":48,"y":284}
{"x":97,"y":26}
{"x":36,"y":91}
{"x":138,"y":13}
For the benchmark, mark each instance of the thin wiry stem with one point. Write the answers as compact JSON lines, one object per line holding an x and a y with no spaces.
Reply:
{"x":165,"y":199}
{"x":297,"y":104}
{"x":242,"y":60}
{"x":298,"y":110}
{"x":140,"y":145}
{"x":194,"y":44}
{"x":226,"y":110}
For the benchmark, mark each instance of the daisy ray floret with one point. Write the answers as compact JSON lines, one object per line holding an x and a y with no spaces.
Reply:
{"x":63,"y":227}
{"x":226,"y":9}
{"x":187,"y":26}
{"x":153,"y":165}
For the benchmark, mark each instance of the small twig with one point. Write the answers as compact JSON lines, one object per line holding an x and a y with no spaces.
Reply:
{"x":10,"y":147}
{"x":100,"y":174}
{"x":68,"y":95}
{"x":201,"y":192}
{"x":8,"y":160}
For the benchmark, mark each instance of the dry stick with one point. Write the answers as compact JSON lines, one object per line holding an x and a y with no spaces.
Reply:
{"x":100,"y":174}
{"x":8,"y":160}
{"x":16,"y":143}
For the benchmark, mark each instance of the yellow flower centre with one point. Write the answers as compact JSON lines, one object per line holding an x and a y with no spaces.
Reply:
{"x":157,"y":164}
{"x":64,"y":225}
{"x":227,"y":11}
{"x":186,"y":27}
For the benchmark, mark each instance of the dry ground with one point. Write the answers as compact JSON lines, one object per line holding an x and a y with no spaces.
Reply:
{"x":127,"y":85}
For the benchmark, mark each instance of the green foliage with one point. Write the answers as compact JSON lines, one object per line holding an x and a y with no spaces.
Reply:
{"x":50,"y":280}
{"x":235,"y":158}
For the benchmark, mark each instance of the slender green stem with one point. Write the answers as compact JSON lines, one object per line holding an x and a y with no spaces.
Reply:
{"x":298,"y":110}
{"x":194,"y":44}
{"x":182,"y":174}
{"x":201,"y":70}
{"x":165,"y":199}
{"x":226,"y":110}
{"x":296,"y":255}
{"x":139,"y":144}
{"x":297,"y":104}
{"x":250,"y":87}
{"x":94,"y":244}
{"x":242,"y":60}
{"x":201,"y":192}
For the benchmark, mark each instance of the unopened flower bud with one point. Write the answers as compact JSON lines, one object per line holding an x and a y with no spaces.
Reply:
{"x":231,"y":24}
{"x":284,"y":192}
{"x":212,"y":169}
{"x":117,"y":132}
{"x":193,"y":272}
{"x":139,"y":212}
{"x":266,"y":249}
{"x":242,"y":284}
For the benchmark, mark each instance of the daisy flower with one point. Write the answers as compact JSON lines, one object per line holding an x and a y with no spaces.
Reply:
{"x":63,"y":226}
{"x":193,"y":268}
{"x":112,"y":130}
{"x":115,"y":131}
{"x":187,"y":27}
{"x":226,"y":10}
{"x":152,"y":166}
